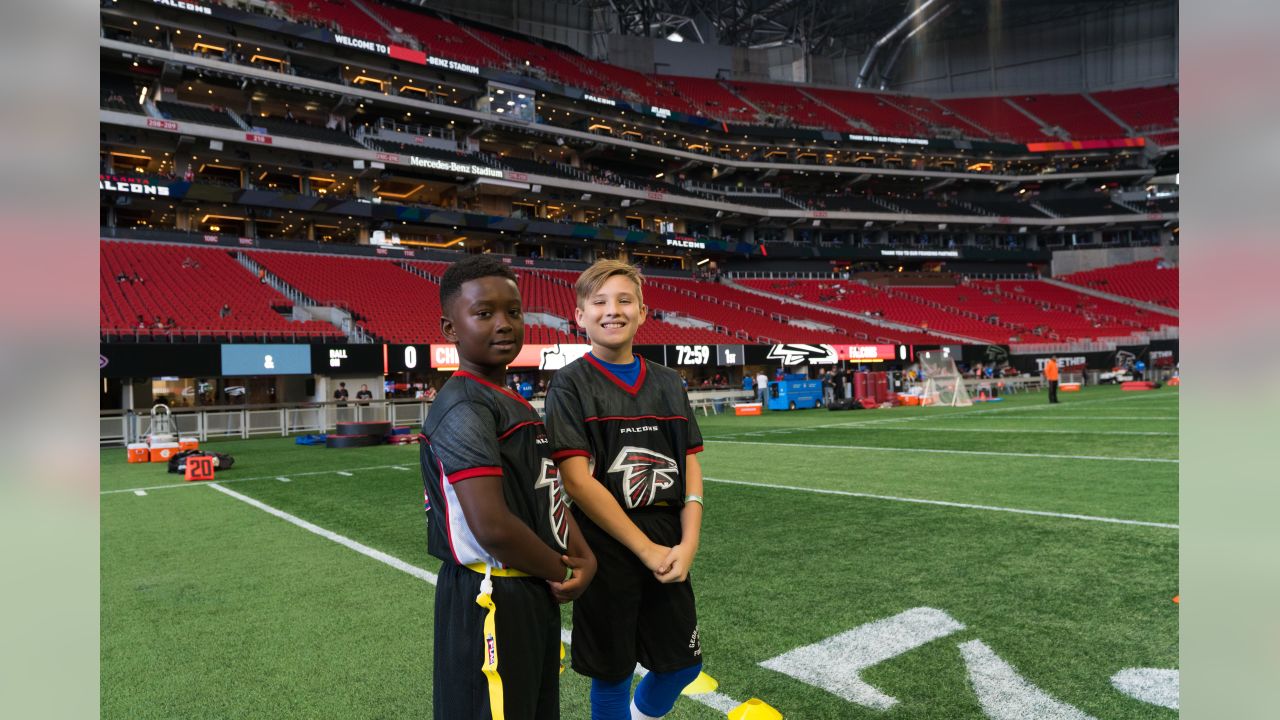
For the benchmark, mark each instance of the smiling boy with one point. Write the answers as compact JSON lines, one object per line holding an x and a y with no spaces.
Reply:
{"x":626,"y":441}
{"x":497,"y":516}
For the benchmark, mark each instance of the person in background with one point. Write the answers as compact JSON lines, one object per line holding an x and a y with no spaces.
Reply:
{"x":1051,"y":377}
{"x":762,"y":387}
{"x":363,"y":394}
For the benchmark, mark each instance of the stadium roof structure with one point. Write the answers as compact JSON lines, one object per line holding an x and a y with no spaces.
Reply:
{"x":830,"y":27}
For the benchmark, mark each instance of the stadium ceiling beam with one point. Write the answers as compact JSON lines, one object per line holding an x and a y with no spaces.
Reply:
{"x":814,"y":25}
{"x":653,"y":18}
{"x":752,"y":25}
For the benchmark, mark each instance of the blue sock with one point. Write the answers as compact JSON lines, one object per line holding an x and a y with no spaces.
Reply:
{"x":611,"y":701}
{"x":657,"y":692}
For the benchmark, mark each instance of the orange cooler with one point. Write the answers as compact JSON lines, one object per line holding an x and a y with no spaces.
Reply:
{"x":161,"y":452}
{"x":747,"y":409}
{"x":188,"y":443}
{"x":139,"y":453}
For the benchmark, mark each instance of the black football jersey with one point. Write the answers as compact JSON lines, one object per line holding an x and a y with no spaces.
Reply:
{"x":635,"y":437}
{"x":476,"y":428}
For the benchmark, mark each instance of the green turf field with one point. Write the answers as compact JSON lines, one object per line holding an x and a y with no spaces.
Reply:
{"x":1032,"y":548}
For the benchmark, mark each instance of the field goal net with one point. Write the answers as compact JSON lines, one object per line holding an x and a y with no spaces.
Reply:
{"x":943,"y":384}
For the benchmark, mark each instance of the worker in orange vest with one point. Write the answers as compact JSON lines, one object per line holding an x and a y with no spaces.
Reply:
{"x":1051,"y":375}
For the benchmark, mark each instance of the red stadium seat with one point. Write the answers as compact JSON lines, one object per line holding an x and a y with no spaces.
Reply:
{"x":1145,"y":281}
{"x":189,"y":284}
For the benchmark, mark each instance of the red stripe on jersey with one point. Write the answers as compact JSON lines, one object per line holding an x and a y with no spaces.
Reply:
{"x":516,"y":427}
{"x":694,"y":449}
{"x":637,"y":417}
{"x":562,"y":454}
{"x":505,"y":391}
{"x":629,"y":389}
{"x":474,"y":472}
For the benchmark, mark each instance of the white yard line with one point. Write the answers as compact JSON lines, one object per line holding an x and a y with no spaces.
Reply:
{"x":1068,"y":417}
{"x":346,"y":472}
{"x":979,"y":430}
{"x":342,"y":540}
{"x":714,"y":700}
{"x":991,"y":453}
{"x":879,"y":423}
{"x":944,"y":503}
{"x":947,"y":414}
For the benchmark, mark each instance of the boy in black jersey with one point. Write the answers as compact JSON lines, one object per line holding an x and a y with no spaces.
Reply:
{"x":625,"y":438}
{"x":497,"y":516}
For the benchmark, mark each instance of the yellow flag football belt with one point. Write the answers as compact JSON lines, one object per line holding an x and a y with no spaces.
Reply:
{"x":490,"y":665}
{"x":483,"y":569}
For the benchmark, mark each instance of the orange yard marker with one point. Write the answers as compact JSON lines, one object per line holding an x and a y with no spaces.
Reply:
{"x":1175,"y":598}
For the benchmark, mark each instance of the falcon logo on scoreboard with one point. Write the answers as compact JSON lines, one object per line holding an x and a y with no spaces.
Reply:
{"x":645,"y":472}
{"x":558,"y":506}
{"x":793,"y":354}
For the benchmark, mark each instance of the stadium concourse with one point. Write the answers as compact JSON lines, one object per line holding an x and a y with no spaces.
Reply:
{"x":901,"y":211}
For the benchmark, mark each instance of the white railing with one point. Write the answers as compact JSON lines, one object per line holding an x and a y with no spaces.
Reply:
{"x":736,"y":275}
{"x":1061,"y":347}
{"x":116,"y":427}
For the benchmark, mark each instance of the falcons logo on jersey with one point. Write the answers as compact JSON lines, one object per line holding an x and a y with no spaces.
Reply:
{"x":557,"y":504}
{"x":645,"y":472}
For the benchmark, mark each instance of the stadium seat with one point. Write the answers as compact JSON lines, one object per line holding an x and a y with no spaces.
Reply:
{"x":189,"y":284}
{"x":1073,"y":113}
{"x":1147,"y":281}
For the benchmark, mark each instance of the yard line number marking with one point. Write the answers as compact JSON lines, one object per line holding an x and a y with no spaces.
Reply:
{"x":835,"y":664}
{"x":1006,"y":695}
{"x":1150,"y":685}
